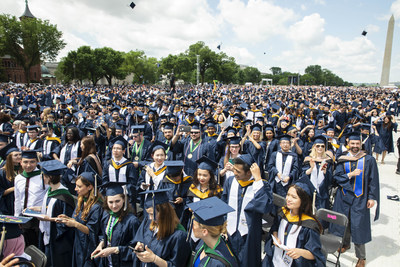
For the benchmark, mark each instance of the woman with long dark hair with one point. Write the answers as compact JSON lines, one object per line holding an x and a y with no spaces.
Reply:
{"x":7,"y":175}
{"x":226,"y":163}
{"x":161,"y":239}
{"x":89,"y":161}
{"x":295,"y":231}
{"x":118,"y":226}
{"x":385,"y":129}
{"x":85,"y":220}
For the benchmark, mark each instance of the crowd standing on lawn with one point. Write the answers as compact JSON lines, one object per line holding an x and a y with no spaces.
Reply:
{"x":146,"y":175}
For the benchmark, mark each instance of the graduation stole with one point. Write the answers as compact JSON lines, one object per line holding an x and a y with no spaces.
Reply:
{"x":283,"y":168}
{"x":160,"y":170}
{"x":57,"y":192}
{"x":172,"y":181}
{"x":208,"y":251}
{"x":275,"y":115}
{"x":188,"y":121}
{"x":53,"y":139}
{"x":30,"y":174}
{"x":138,"y":151}
{"x":358,"y":181}
{"x":112,"y":221}
{"x":245,"y":183}
{"x":214,"y":134}
{"x":203,"y":195}
{"x":117,"y":167}
{"x":166,"y":151}
{"x":33,"y":140}
{"x":22,"y":131}
{"x":295,"y":218}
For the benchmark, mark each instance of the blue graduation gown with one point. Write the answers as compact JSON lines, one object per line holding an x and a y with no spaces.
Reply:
{"x":6,"y":202}
{"x":178,"y":189}
{"x":122,"y":236}
{"x":258,"y":154}
{"x":356,"y":207}
{"x":85,"y":244}
{"x":272,"y":172}
{"x":308,"y":238}
{"x":174,"y":249}
{"x":60,"y":248}
{"x":248,"y":247}
{"x":322,"y":200}
{"x":129,"y":177}
{"x":204,"y":149}
{"x":221,"y":249}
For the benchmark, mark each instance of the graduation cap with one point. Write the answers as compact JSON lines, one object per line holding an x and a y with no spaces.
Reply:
{"x":210,"y":211}
{"x":11,"y":225}
{"x":158,"y":145}
{"x":269,"y":127}
{"x":364,"y":33}
{"x":237,"y":116}
{"x":92,"y":178}
{"x":5,"y":151}
{"x":195,"y":125}
{"x":210,"y":123}
{"x":119,"y":140}
{"x":235,"y":140}
{"x":4,"y":138}
{"x":365,"y":126}
{"x":219,"y":47}
{"x":284,"y":137}
{"x":76,"y":114}
{"x":155,"y":197}
{"x":110,"y":189}
{"x":275,"y":107}
{"x":190,"y":112}
{"x":319,"y":139}
{"x":168,"y":125}
{"x":256,"y":127}
{"x":247,"y":158}
{"x":52,"y":167}
{"x":174,"y":168}
{"x":33,"y":128}
{"x":305,"y":184}
{"x":205,"y":163}
{"x":137,"y":128}
{"x":139,"y":113}
{"x":132,"y":5}
{"x":29,"y":154}
{"x":355,"y":136}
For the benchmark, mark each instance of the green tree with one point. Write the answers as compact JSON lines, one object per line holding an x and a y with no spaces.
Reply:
{"x":110,"y":61}
{"x":276,"y":70}
{"x":208,"y":58}
{"x":316,"y":72}
{"x":29,"y":41}
{"x":252,"y":74}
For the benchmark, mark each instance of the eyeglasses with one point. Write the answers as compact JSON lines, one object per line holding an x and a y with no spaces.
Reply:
{"x":194,"y":132}
{"x":318,"y":146}
{"x":235,"y":120}
{"x":135,"y":136}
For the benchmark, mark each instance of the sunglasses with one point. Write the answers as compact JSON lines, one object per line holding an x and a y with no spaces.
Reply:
{"x":194,"y":132}
{"x":318,"y":146}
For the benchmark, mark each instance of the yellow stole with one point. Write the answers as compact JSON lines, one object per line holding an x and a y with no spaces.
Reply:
{"x":295,"y":218}
{"x":117,"y":167}
{"x":172,"y":181}
{"x":160,"y":170}
{"x":245,"y":183}
{"x":53,"y":139}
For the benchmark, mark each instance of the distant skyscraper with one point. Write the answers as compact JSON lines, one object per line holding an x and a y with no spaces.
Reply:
{"x":388,"y":53}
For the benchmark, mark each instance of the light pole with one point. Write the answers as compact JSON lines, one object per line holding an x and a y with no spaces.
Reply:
{"x":198,"y":68}
{"x":74,"y":71}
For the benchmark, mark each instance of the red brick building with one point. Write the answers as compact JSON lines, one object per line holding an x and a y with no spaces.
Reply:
{"x":15,"y":73}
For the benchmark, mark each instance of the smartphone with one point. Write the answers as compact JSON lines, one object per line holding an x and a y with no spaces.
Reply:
{"x":134,"y":250}
{"x":185,"y":129}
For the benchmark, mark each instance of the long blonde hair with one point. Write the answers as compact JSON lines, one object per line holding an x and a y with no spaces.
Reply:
{"x":215,"y":231}
{"x":313,"y":152}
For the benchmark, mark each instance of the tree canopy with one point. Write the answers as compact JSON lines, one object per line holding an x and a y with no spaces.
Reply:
{"x":29,"y":41}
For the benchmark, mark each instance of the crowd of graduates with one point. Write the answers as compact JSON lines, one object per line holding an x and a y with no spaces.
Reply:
{"x":154,"y":176}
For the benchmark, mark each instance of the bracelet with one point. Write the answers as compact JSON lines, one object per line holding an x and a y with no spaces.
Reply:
{"x":155,"y":258}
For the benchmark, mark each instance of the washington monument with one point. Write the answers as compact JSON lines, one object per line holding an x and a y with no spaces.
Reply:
{"x":388,"y":53}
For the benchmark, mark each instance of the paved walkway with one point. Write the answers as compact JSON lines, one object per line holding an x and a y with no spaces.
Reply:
{"x":384,"y":249}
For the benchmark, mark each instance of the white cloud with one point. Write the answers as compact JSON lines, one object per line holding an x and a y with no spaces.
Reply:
{"x":320,"y":2}
{"x":307,"y":32}
{"x":255,"y":21}
{"x":372,"y":28}
{"x":241,"y":54}
{"x":303,"y":7}
{"x":395,"y":9}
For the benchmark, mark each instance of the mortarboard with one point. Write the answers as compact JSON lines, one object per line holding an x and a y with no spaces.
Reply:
{"x":235,"y":140}
{"x":33,"y":128}
{"x":247,"y":158}
{"x":155,"y":197}
{"x":4,"y":138}
{"x":356,"y":136}
{"x":365,"y":126}
{"x":256,"y":127}
{"x":190,"y":112}
{"x":284,"y":137}
{"x":305,"y":184}
{"x":132,"y":5}
{"x":29,"y":154}
{"x":115,"y":188}
{"x":210,"y":211}
{"x":174,"y":168}
{"x":139,"y":113}
{"x":168,"y":126}
{"x":92,"y":178}
{"x":137,"y":128}
{"x":205,"y":163}
{"x":52,"y":167}
{"x":319,"y":139}
{"x":158,"y":145}
{"x":119,"y":140}
{"x":11,"y":225}
{"x":364,"y":33}
{"x":5,"y":151}
{"x":195,"y":125}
